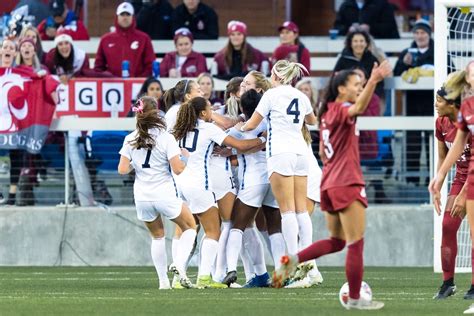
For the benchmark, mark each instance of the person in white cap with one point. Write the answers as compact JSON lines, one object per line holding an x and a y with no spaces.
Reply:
{"x":126,"y":43}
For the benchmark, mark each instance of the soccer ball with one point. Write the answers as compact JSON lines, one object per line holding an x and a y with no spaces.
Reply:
{"x":365,"y":293}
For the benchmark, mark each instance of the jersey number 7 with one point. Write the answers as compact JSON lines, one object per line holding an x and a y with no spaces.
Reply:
{"x":293,"y":109}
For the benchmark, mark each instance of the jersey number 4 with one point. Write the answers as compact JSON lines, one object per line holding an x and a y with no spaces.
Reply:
{"x":293,"y":109}
{"x":185,"y":142}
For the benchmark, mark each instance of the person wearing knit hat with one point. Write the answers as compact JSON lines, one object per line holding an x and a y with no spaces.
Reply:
{"x":291,"y":47}
{"x":238,"y":57}
{"x":418,"y":103}
{"x":28,"y":58}
{"x":183,"y":62}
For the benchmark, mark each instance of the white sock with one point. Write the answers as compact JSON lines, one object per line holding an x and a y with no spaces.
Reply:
{"x":313,"y":272}
{"x":208,"y":256}
{"x":186,"y":243}
{"x":221,"y":262}
{"x":174,"y":248}
{"x":160,"y":260}
{"x":289,"y":229}
{"x":278,"y":248}
{"x":247,"y":263}
{"x":254,"y":247}
{"x":234,"y":246}
{"x":267,"y":240}
{"x":305,"y":228}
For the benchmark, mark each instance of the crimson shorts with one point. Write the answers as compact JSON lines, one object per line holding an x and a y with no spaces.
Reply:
{"x":338,"y":198}
{"x":470,"y":189}
{"x":455,"y":188}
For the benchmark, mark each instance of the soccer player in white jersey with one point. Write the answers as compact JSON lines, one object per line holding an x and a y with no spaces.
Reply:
{"x":308,"y":274}
{"x":197,"y":135}
{"x":286,"y":110}
{"x":254,"y":191}
{"x":153,"y":153}
{"x":183,"y":91}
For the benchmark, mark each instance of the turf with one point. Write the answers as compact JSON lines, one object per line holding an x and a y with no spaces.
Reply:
{"x":134,"y":291}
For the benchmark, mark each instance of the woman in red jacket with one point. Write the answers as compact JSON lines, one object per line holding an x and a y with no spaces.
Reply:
{"x":238,"y":57}
{"x":184,"y":62}
{"x":291,"y":47}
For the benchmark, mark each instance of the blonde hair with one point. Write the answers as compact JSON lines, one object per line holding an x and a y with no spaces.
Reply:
{"x":287,"y":72}
{"x":261,"y":82}
{"x":231,"y":99}
{"x":38,"y":45}
{"x":205,"y":75}
{"x":455,"y":84}
{"x":314,"y":93}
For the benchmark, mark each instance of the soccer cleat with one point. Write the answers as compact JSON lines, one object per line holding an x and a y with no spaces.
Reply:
{"x":285,"y":272}
{"x":230,"y":278}
{"x":470,"y":310}
{"x":306,"y":282}
{"x":181,"y":276}
{"x":363,"y":304}
{"x":176,"y":284}
{"x":206,"y":282}
{"x":469,"y":294}
{"x":445,"y":290}
{"x":262,"y":280}
{"x":302,"y":270}
{"x":235,"y":286}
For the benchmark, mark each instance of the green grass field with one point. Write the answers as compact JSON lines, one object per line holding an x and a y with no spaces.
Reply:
{"x":134,"y":291}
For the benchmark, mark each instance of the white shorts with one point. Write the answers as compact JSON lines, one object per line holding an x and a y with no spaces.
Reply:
{"x":222,"y":181}
{"x":288,"y":164}
{"x":258,"y":195}
{"x":148,"y":211}
{"x":198,"y":200}
{"x":314,"y":189}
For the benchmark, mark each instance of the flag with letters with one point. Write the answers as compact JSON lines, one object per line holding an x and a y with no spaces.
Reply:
{"x":26,"y":108}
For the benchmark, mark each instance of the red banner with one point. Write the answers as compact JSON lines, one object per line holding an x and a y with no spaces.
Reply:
{"x":98,"y":97}
{"x":26,"y":108}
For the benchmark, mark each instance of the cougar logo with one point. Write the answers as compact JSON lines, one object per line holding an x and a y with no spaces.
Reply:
{"x":13,"y":105}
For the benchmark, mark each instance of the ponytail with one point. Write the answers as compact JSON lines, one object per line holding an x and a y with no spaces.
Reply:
{"x":146,"y":109}
{"x":288,"y":73}
{"x":177,"y":93}
{"x":188,"y":115}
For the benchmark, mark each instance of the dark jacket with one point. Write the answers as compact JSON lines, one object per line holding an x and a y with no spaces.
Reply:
{"x":378,"y":14}
{"x":194,"y":65}
{"x":155,"y":20}
{"x":228,"y":72}
{"x":72,"y":24}
{"x":202,"y":23}
{"x":418,"y":102}
{"x":348,"y":61}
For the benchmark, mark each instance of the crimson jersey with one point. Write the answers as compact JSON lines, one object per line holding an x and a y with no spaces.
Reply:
{"x":466,"y":123}
{"x":446,"y":132}
{"x":340,"y":139}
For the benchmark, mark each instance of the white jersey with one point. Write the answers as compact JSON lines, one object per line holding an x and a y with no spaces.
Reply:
{"x":285,"y":108}
{"x":171,"y":116}
{"x":314,"y":176}
{"x":200,"y":143}
{"x":253,"y":167}
{"x":152,"y":170}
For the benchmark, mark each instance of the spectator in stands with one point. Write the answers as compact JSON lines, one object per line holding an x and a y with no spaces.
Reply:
{"x":152,"y":87}
{"x":206,"y":82}
{"x":373,"y":16}
{"x":28,"y":58}
{"x":238,"y":57}
{"x":154,"y":18}
{"x":291,"y":47}
{"x":32,"y":33}
{"x":125,"y":43}
{"x":67,"y":61}
{"x":356,"y":53}
{"x":184,"y":62}
{"x":418,"y":103}
{"x":61,"y":16}
{"x":36,"y":8}
{"x":198,"y":17}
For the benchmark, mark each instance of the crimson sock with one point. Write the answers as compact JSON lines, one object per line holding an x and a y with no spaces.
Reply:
{"x":321,"y":248}
{"x":355,"y":267}
{"x":449,"y":244}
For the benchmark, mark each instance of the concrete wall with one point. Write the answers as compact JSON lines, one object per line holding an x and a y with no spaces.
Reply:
{"x":396,"y":236}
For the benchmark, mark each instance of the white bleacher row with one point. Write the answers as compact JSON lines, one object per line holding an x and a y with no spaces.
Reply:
{"x":315,"y":44}
{"x":317,"y":63}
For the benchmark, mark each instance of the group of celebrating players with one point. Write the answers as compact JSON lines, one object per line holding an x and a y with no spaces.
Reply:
{"x":252,"y":162}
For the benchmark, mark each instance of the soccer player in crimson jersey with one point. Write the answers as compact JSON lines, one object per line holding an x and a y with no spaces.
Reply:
{"x":448,"y":102}
{"x":464,"y":133}
{"x":342,"y":187}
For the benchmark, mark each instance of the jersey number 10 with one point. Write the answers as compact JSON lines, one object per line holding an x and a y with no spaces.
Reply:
{"x":293,"y":109}
{"x":184,"y":142}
